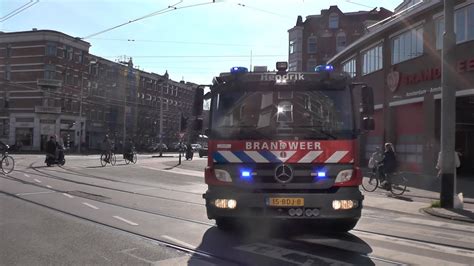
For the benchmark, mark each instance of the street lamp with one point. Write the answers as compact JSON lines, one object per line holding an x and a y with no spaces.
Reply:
{"x":166,"y":76}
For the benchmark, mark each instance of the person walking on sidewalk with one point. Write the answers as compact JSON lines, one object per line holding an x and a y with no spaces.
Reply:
{"x":457,"y":162}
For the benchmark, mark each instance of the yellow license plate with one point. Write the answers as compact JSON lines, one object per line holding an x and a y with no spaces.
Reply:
{"x":285,"y":202}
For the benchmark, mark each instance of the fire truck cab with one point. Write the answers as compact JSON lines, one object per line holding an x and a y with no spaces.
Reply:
{"x":282,"y":145}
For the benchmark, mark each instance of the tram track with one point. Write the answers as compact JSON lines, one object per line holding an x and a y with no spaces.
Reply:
{"x":178,"y":247}
{"x":48,"y":175}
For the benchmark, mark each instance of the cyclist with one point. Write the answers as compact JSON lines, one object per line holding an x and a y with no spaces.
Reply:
{"x":107,"y":148}
{"x":375,"y":159}
{"x":388,"y":165}
{"x":128,"y":149}
{"x":3,"y":148}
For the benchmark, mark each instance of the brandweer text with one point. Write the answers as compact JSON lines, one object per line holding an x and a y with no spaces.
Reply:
{"x":280,"y":145}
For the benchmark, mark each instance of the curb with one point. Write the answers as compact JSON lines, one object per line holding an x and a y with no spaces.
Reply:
{"x":433,"y":212}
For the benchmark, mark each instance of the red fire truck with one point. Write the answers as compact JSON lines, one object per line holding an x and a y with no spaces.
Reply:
{"x":282,"y":145}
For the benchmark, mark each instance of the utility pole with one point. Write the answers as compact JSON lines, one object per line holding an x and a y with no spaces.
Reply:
{"x":448,"y":110}
{"x":166,"y":76}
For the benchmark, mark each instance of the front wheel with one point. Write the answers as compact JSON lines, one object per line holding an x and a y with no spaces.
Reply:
{"x":370,"y":183}
{"x":134,"y":158}
{"x":398,"y":185}
{"x":102,"y":159}
{"x":7,"y":164}
{"x":113,"y":159}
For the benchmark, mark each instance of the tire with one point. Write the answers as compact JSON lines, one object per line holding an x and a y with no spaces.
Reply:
{"x":125,"y":158}
{"x":113,"y":159}
{"x":134,"y":158}
{"x":398,"y":185}
{"x":63,"y":162}
{"x":102,"y":160}
{"x":370,"y":183}
{"x":225,"y":224}
{"x":7,"y":164}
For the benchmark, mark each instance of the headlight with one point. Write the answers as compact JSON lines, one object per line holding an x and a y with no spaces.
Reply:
{"x":222,"y":175}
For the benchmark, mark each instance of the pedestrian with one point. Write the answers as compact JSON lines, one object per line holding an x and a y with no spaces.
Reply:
{"x":457,"y":163}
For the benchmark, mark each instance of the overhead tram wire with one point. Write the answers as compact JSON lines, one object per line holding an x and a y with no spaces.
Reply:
{"x":197,"y":56}
{"x":19,"y":10}
{"x":16,"y":9}
{"x":264,"y":11}
{"x":156,"y":13}
{"x":175,"y":42}
{"x":359,"y":4}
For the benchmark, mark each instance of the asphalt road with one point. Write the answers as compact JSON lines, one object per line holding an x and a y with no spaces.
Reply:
{"x":153,"y":213}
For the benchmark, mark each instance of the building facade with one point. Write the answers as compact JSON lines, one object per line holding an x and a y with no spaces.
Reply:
{"x":51,"y":85}
{"x":401,"y":59}
{"x":320,"y":37}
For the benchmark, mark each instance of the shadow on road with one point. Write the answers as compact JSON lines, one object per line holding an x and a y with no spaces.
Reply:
{"x":283,"y":244}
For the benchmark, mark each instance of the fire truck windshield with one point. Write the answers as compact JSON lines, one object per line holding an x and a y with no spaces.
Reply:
{"x":282,"y":114}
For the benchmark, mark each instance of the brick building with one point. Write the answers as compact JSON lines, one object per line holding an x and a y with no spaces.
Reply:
{"x":401,"y":59}
{"x":320,"y":37}
{"x":51,"y":85}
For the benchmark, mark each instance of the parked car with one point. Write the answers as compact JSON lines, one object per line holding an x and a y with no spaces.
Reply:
{"x":203,"y":150}
{"x":196,"y":147}
{"x":176,"y":146}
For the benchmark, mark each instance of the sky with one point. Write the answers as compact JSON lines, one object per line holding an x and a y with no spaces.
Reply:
{"x":192,"y":42}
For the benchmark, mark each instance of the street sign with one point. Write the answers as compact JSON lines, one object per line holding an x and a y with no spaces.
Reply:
{"x":181,"y":135}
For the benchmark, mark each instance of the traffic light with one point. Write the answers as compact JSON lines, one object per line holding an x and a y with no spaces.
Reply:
{"x":198,"y":101}
{"x":183,"y":123}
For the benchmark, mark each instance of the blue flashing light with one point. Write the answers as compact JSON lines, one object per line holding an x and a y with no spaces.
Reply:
{"x":236,"y":70}
{"x":321,"y":174}
{"x":324,"y":68}
{"x":246,"y":175}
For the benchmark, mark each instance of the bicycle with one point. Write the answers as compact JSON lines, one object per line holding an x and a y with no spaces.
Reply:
{"x":7,"y":163}
{"x":112,"y":160}
{"x":397,"y":182}
{"x":130,"y":159}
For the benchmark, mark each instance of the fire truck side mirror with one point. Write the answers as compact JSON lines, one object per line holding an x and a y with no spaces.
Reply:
{"x":367,"y":103}
{"x":198,"y":101}
{"x":368,"y":123}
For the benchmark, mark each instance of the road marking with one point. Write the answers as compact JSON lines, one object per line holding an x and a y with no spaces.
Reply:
{"x":125,"y":220}
{"x":37,"y":180}
{"x":27,"y":175}
{"x":67,"y":195}
{"x":90,"y":205}
{"x":48,"y":186}
{"x":179,"y":242}
{"x":178,"y":171}
{"x":35,"y":193}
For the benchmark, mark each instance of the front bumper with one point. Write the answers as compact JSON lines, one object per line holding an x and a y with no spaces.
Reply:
{"x":254,"y":205}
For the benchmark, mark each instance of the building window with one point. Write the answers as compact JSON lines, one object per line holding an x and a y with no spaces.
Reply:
{"x":340,"y":41}
{"x":407,"y":45}
{"x":439,"y":28}
{"x":70,"y":53}
{"x":333,"y":21}
{"x":312,"y":45}
{"x":312,"y":63}
{"x":8,"y":72}
{"x":9,"y":50}
{"x":51,"y":49}
{"x":49,"y":71}
{"x":24,"y":136}
{"x":372,"y":59}
{"x":464,"y":24}
{"x":350,"y":67}
{"x":292,"y":47}
{"x":80,"y":57}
